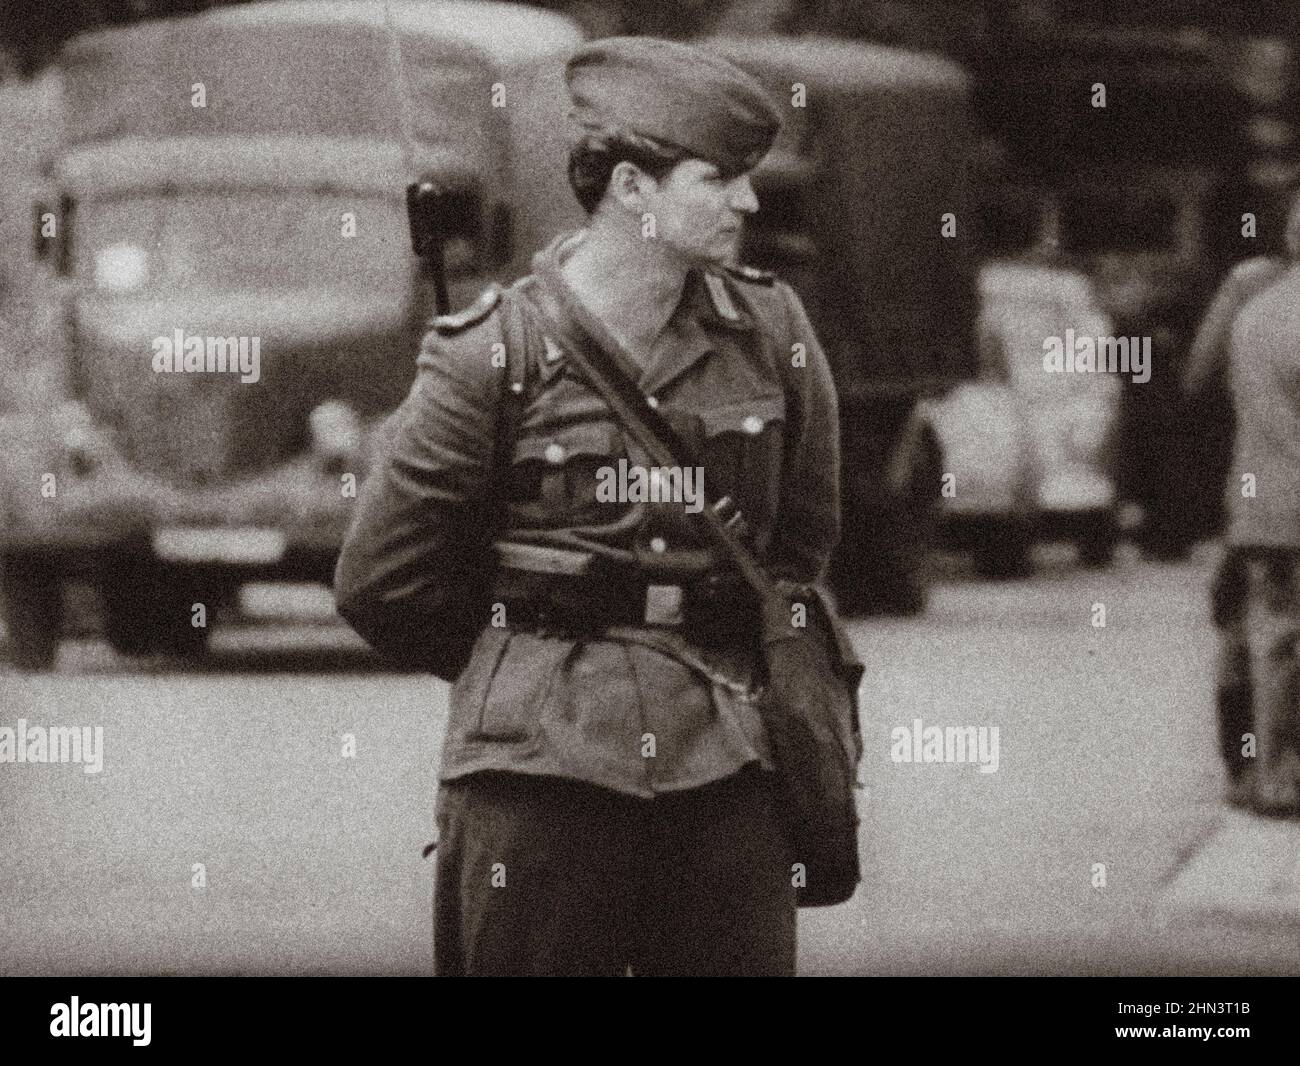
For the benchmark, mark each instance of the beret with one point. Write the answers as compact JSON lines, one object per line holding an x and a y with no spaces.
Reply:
{"x":671,"y":92}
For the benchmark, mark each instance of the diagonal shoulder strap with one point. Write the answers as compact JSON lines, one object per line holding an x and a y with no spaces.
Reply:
{"x":514,"y":387}
{"x":597,"y":353}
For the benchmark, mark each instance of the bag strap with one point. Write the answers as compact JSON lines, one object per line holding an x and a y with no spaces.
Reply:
{"x":514,"y":391}
{"x":598,"y":355}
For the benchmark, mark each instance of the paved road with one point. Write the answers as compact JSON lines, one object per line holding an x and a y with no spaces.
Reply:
{"x":312,"y":858}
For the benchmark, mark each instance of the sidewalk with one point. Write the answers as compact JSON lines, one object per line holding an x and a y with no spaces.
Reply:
{"x":1247,"y":869}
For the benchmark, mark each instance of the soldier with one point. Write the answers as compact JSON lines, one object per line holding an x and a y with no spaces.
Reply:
{"x":605,"y":799}
{"x":1218,"y":355}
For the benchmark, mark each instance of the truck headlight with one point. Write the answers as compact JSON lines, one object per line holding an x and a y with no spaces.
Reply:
{"x":84,"y":446}
{"x":121,"y":267}
{"x":335,"y":433}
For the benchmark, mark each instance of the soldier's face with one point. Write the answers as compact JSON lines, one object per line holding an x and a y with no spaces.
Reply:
{"x":697,"y":213}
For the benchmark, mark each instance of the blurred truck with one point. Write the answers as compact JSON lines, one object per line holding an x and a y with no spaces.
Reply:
{"x":240,"y":303}
{"x":863,"y":208}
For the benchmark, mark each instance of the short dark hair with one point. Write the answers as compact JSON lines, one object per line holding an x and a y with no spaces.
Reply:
{"x":593,"y":158}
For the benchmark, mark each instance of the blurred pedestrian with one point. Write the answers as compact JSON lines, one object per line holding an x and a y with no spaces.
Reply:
{"x":1251,"y":336}
{"x":604,"y":801}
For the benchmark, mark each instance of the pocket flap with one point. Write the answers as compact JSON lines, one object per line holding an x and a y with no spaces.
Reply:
{"x":748,"y":416}
{"x":558,"y":446}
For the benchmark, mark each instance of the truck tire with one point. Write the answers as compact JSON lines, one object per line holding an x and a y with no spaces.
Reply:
{"x":155,"y":628}
{"x":883,"y":564}
{"x":146,"y":614}
{"x":32,"y":600}
{"x":916,"y":535}
{"x":1097,"y":546}
{"x":1006,"y":551}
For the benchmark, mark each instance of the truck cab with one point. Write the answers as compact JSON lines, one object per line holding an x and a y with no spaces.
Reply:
{"x":240,"y":305}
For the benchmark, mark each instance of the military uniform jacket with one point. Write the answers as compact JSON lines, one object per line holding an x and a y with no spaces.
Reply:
{"x":740,"y":374}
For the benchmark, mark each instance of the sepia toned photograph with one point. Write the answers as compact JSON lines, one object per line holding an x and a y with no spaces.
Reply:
{"x":624,"y":488}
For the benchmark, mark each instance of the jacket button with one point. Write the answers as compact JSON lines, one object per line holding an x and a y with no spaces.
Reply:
{"x":652,"y":402}
{"x":658,"y":545}
{"x":752,"y":424}
{"x":554,"y":453}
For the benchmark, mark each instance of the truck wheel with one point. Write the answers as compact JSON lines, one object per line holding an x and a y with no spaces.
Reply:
{"x":1007,"y":552}
{"x":149,"y":631}
{"x":182,"y":639}
{"x":32,"y":600}
{"x":1097,"y":546}
{"x":129,"y":627}
{"x":146,"y":615}
{"x":919,"y":538}
{"x":882,"y":565}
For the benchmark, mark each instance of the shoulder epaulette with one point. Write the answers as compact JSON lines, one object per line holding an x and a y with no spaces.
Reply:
{"x":448,"y":325}
{"x":1257,"y":267}
{"x":752,"y":274}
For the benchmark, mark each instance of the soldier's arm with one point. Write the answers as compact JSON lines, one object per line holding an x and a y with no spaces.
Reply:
{"x":418,"y":527}
{"x":1208,"y":358}
{"x":807,"y":524}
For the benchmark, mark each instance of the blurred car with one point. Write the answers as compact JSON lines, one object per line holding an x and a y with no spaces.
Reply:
{"x":1030,"y":451}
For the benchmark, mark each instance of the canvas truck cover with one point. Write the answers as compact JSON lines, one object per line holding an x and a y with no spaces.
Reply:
{"x":327,"y":70}
{"x":877,"y":154}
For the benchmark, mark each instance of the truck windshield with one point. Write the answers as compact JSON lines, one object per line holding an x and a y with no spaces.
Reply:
{"x":246,"y":240}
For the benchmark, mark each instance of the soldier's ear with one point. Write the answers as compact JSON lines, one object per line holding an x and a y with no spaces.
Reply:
{"x":628,"y":185}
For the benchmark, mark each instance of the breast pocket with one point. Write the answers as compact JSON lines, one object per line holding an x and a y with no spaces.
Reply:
{"x":743,"y":444}
{"x":562,"y":476}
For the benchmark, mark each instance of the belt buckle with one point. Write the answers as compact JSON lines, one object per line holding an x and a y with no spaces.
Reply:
{"x":663,"y":605}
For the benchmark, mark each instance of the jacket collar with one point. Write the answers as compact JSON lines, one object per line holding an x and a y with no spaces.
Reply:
{"x":706,"y":311}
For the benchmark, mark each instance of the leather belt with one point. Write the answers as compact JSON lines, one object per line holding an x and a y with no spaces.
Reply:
{"x":716,"y":611}
{"x":661,"y":606}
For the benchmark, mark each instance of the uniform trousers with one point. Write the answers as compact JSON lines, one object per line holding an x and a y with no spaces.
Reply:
{"x":1235,"y":695}
{"x":1272,"y":630}
{"x":548,"y":876}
